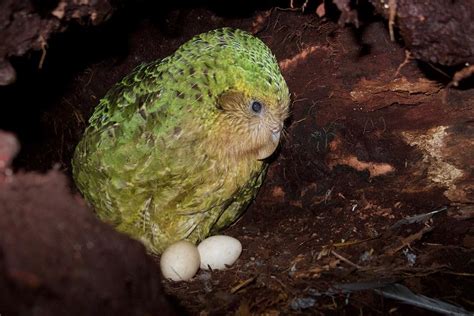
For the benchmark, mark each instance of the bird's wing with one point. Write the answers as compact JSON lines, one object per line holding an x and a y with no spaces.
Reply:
{"x":126,"y":148}
{"x":136,"y":168}
{"x":138,"y":91}
{"x":241,"y":200}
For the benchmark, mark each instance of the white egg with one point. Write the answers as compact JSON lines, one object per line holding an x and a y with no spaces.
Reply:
{"x":218,"y":252}
{"x":180,"y":261}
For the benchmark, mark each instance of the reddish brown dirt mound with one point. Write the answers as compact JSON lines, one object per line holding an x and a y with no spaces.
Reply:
{"x":57,"y":258}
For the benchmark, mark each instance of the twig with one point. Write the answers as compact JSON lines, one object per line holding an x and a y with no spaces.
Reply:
{"x":391,"y":20}
{"x":458,"y":273}
{"x":291,"y":63}
{"x":43,"y":51}
{"x":243,"y":284}
{"x":407,"y":59}
{"x":345,"y":260}
{"x":461,"y":75}
{"x":342,"y":244}
{"x":408,"y":240}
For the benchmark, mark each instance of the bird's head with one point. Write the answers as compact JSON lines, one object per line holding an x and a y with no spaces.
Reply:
{"x":247,"y":97}
{"x":251,"y":121}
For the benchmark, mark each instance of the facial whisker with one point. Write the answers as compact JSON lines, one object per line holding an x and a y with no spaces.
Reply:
{"x":284,"y":133}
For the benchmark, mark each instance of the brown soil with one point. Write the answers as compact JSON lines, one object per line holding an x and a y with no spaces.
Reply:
{"x":344,"y":175}
{"x":56,"y":258}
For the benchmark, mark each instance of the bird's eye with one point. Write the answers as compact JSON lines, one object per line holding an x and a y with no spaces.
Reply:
{"x":256,"y":107}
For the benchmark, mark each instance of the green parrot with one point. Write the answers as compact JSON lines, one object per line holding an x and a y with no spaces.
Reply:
{"x":176,"y":149}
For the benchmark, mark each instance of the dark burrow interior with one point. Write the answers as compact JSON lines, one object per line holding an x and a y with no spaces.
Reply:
{"x":373,"y":138}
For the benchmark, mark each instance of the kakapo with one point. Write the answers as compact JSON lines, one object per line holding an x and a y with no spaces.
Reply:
{"x":175,"y":150}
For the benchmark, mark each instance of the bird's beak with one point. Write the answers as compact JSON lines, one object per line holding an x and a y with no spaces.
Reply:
{"x":276,"y":136}
{"x":276,"y":133}
{"x":267,"y":150}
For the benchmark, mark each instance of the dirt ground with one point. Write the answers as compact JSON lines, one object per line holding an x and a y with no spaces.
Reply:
{"x":323,"y":230}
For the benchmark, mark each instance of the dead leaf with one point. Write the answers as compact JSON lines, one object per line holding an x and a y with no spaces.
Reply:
{"x":321,"y":11}
{"x":278,"y":192}
{"x":60,"y":10}
{"x":408,"y":240}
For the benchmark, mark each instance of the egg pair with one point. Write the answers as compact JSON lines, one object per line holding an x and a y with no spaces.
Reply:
{"x":181,"y":260}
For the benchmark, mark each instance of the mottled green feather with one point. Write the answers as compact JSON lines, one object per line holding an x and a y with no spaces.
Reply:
{"x":148,"y":163}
